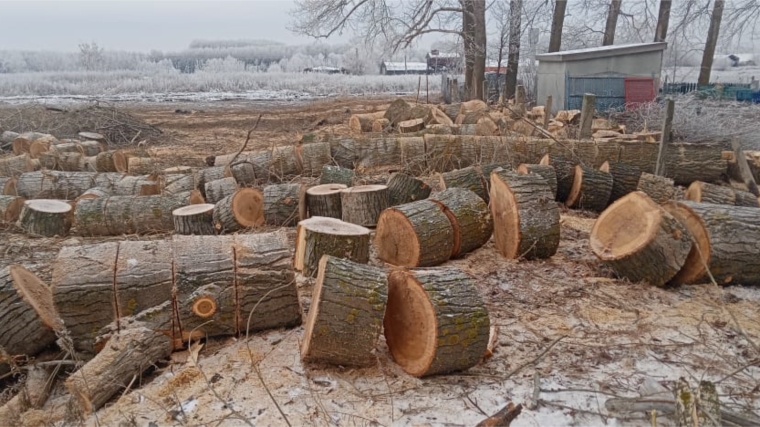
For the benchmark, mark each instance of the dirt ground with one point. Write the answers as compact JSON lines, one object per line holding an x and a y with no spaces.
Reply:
{"x":570,"y":336}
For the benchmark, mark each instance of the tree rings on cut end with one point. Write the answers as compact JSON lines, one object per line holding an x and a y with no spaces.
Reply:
{"x":204,"y":307}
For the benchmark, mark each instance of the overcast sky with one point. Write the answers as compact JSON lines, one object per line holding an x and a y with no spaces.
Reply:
{"x":141,"y":25}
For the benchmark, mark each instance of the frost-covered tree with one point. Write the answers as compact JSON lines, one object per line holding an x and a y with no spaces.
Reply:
{"x":91,"y":56}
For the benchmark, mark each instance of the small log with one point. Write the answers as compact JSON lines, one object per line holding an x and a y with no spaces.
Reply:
{"x":319,"y":236}
{"x":726,"y":242}
{"x":218,"y":189}
{"x":126,"y":355}
{"x":705,"y":192}
{"x":544,"y":171}
{"x":313,"y":157}
{"x":93,"y":148}
{"x":640,"y":241}
{"x":7,"y":186}
{"x":346,"y":315}
{"x":67,"y":147}
{"x":142,"y":276}
{"x":37,"y":148}
{"x":45,"y":217}
{"x":359,"y":123}
{"x":591,"y":189}
{"x":565,"y":170}
{"x":469,"y":178}
{"x":10,"y":208}
{"x":15,"y":166}
{"x":625,"y":178}
{"x":142,"y":165}
{"x":71,"y":162}
{"x":362,"y":204}
{"x":336,"y":175}
{"x":435,"y":321}
{"x":525,"y":216}
{"x":238,"y":211}
{"x":23,"y":141}
{"x":403,"y":188}
{"x":380,"y":125}
{"x":179,"y":183}
{"x":416,"y":234}
{"x":115,"y":215}
{"x":127,"y":185}
{"x":28,"y":318}
{"x":470,"y":219}
{"x":283,"y":204}
{"x":411,"y":126}
{"x":507,"y":414}
{"x":658,"y":188}
{"x":324,"y":200}
{"x":208,"y":175}
{"x":194,"y":219}
{"x":174,"y":170}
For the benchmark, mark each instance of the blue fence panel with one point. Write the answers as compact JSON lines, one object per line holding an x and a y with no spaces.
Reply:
{"x":609,"y":91}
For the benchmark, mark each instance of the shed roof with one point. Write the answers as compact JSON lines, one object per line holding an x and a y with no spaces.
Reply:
{"x":601,"y":52}
{"x":408,"y":66}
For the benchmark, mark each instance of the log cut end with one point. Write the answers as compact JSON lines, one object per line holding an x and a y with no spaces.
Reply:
{"x":9,"y":189}
{"x":504,"y":207}
{"x":396,"y":239}
{"x":699,"y":256}
{"x":325,"y":189}
{"x":38,"y":295}
{"x":325,"y":226}
{"x":247,"y":207}
{"x":10,"y":208}
{"x":196,"y":198}
{"x":626,"y":227}
{"x":204,"y":307}
{"x":575,"y":191}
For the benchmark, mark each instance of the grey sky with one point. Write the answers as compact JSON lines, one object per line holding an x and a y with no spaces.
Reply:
{"x":140,"y":25}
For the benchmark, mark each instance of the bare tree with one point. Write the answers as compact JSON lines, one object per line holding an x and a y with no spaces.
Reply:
{"x":513,"y":58}
{"x":478,"y":48}
{"x":712,"y":41}
{"x":612,"y":18}
{"x":558,"y":20}
{"x":91,"y":56}
{"x":663,"y":18}
{"x":499,"y":12}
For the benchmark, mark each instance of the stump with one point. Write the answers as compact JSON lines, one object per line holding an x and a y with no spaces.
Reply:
{"x":525,"y":216}
{"x":704,"y":192}
{"x":726,"y":241}
{"x":336,"y":175}
{"x":283,"y":204}
{"x":28,"y":318}
{"x":359,"y":123}
{"x":244,"y":209}
{"x":126,"y":355}
{"x":470,"y":219}
{"x":403,"y":188}
{"x":112,"y":216}
{"x":319,"y":236}
{"x":324,"y":200}
{"x":142,"y":277}
{"x":194,"y":219}
{"x":362,"y":204}
{"x":625,"y":178}
{"x":591,"y":189}
{"x":15,"y":166}
{"x":658,"y":188}
{"x":416,"y":234}
{"x":469,"y":178}
{"x":142,"y":165}
{"x":346,"y":314}
{"x":45,"y":217}
{"x":640,"y":241}
{"x":435,"y":321}
{"x":544,"y":171}
{"x":218,"y":189}
{"x":10,"y":208}
{"x":565,"y":170}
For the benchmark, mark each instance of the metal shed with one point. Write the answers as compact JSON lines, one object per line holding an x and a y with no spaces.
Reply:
{"x":617,"y":75}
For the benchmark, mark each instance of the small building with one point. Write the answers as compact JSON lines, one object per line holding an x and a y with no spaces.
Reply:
{"x":617,"y":75}
{"x":440,"y":62}
{"x":494,"y":67}
{"x":396,"y":68}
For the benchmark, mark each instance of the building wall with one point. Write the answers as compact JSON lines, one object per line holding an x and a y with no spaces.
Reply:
{"x":551,"y":81}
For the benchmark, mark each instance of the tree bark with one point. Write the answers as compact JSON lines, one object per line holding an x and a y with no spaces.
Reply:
{"x":377,"y":152}
{"x":242,"y":172}
{"x":142,"y":277}
{"x":283,"y":204}
{"x":612,"y":18}
{"x":591,"y":189}
{"x":359,"y":123}
{"x":194,"y":219}
{"x":112,"y":216}
{"x":558,"y":21}
{"x":319,"y":236}
{"x":478,"y":48}
{"x":663,"y":18}
{"x":435,"y":321}
{"x":640,"y":241}
{"x":218,"y":189}
{"x":363,"y":204}
{"x":238,"y":211}
{"x":336,"y":175}
{"x":346,"y":314}
{"x":208,"y":175}
{"x":8,"y":186}
{"x":544,"y":171}
{"x":45,"y":217}
{"x":403,"y":188}
{"x":565,"y":170}
{"x":468,"y":39}
{"x":15,"y":166}
{"x":111,"y":161}
{"x":142,"y":166}
{"x":128,"y":185}
{"x":179,"y":183}
{"x":324,"y":200}
{"x":413,"y":155}
{"x":10,"y":208}
{"x":625,"y":178}
{"x":469,"y":178}
{"x":470,"y":219}
{"x":711,"y":43}
{"x":658,"y":188}
{"x":313,"y":156}
{"x":513,"y":56}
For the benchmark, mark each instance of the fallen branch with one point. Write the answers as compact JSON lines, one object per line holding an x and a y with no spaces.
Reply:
{"x":247,"y":138}
{"x":502,"y":418}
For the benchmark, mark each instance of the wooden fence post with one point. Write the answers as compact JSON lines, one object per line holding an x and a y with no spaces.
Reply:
{"x":667,"y":126}
{"x":587,"y":115}
{"x":547,"y":111}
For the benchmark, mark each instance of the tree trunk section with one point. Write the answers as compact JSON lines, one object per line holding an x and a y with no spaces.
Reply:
{"x":363,"y":204}
{"x":285,"y":163}
{"x":112,"y":216}
{"x":716,"y":194}
{"x":319,"y":236}
{"x":15,"y":166}
{"x":663,"y":19}
{"x":711,"y":43}
{"x":242,"y":172}
{"x":640,"y":241}
{"x":128,"y":185}
{"x":413,"y":155}
{"x":658,"y":188}
{"x":336,"y":175}
{"x":179,"y":183}
{"x":238,"y":211}
{"x":142,"y":166}
{"x":478,"y":49}
{"x":381,"y":125}
{"x":45,"y":217}
{"x":558,"y":21}
{"x":544,"y":171}
{"x":513,"y":55}
{"x":469,"y":178}
{"x":92,"y":148}
{"x":398,"y":111}
{"x":8,"y":186}
{"x":313,"y":157}
{"x":525,"y":216}
{"x":324,"y":200}
{"x":403,"y":188}
{"x":470,"y":219}
{"x":625,"y":178}
{"x":591,"y":189}
{"x":346,"y":315}
{"x":143,"y":276}
{"x":612,"y":18}
{"x":343,"y":152}
{"x":381,"y":152}
{"x":208,"y":175}
{"x":565,"y":170}
{"x":282,"y":204}
{"x":194,"y":219}
{"x":417,"y":234}
{"x":218,"y":189}
{"x":435,"y":321}
{"x":10,"y":208}
{"x":111,"y":161}
{"x":359,"y":123}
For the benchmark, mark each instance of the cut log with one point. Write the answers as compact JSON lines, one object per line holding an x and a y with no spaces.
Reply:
{"x":442,"y":129}
{"x":126,"y":356}
{"x":416,"y":234}
{"x":684,"y":162}
{"x":208,"y":175}
{"x":470,"y":219}
{"x":640,"y":241}
{"x":93,"y":148}
{"x":403,"y":188}
{"x":83,"y":290}
{"x":244,"y":209}
{"x":324,"y":200}
{"x":413,"y":156}
{"x":143,"y":166}
{"x":23,"y":141}
{"x":362,"y":204}
{"x":286,"y":163}
{"x":319,"y":236}
{"x":591,"y":189}
{"x":174,"y":170}
{"x":452,"y":110}
{"x":8,"y":186}
{"x":179,"y":183}
{"x":747,"y":199}
{"x":93,"y":193}
{"x":267,"y":296}
{"x":143,"y":276}
{"x":445,"y":153}
{"x":525,"y":216}
{"x":469,"y":178}
{"x":411,"y":126}
{"x":381,"y":125}
{"x":343,"y":151}
{"x":312,"y":157}
{"x":33,"y":395}
{"x":544,"y":171}
{"x":283,"y":204}
{"x":704,"y":192}
{"x":658,"y":188}
{"x":359,"y":123}
{"x":28,"y":318}
{"x":15,"y":166}
{"x":94,"y":136}
{"x":127,"y":185}
{"x":242,"y":172}
{"x":115,"y":215}
{"x":218,"y":189}
{"x":45,"y":217}
{"x":71,"y":162}
{"x":8,"y":136}
{"x":67,"y":147}
{"x":194,"y":219}
{"x":346,"y":315}
{"x":726,"y":241}
{"x":261,"y":162}
{"x":336,"y":175}
{"x":435,"y":321}
{"x":398,"y":111}
{"x":625,"y":178}
{"x":565,"y":170}
{"x":380,"y":152}
{"x":10,"y":208}
{"x":37,"y":148}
